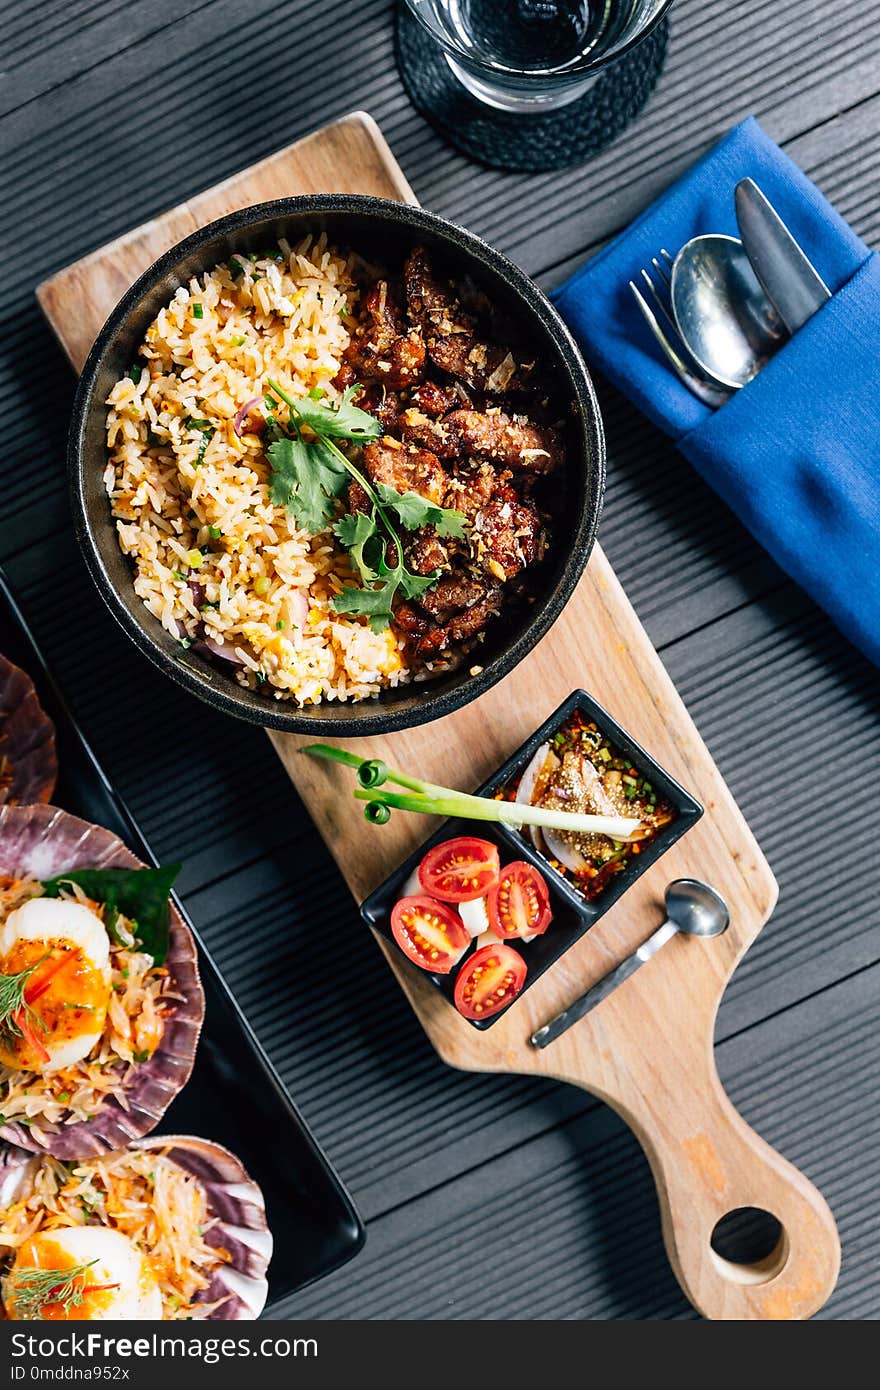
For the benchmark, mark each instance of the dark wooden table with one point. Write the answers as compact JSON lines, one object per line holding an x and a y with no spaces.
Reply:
{"x":485,"y":1198}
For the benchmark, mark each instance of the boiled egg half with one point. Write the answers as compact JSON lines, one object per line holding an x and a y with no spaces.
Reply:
{"x":113,"y":1282}
{"x":66,"y":948}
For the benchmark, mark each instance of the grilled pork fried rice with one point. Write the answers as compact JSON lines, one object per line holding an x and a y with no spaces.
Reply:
{"x":220,"y":565}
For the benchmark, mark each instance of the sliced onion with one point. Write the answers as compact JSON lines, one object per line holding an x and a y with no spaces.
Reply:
{"x":412,"y":887}
{"x":538,"y":839}
{"x":242,"y":413}
{"x":299,"y":607}
{"x":530,"y":775}
{"x":474,"y":916}
{"x":592,"y":780}
{"x":224,"y":651}
{"x":526,"y":789}
{"x":560,"y":849}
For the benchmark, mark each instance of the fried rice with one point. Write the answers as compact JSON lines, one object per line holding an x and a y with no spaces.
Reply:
{"x":215,"y":561}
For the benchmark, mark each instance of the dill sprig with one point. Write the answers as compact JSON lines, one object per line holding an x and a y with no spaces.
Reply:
{"x":32,"y":1289}
{"x":13,"y":1003}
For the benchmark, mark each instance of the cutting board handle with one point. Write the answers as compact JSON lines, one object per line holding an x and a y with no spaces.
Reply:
{"x":707,"y":1162}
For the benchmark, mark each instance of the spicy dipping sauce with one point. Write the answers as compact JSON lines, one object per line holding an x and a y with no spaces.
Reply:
{"x":580,"y":770}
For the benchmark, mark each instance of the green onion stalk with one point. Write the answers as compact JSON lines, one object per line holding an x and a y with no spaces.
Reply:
{"x":430,"y":799}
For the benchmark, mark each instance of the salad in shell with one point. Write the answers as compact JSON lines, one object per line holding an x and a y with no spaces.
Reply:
{"x":171,"y":1228}
{"x":100,"y":999}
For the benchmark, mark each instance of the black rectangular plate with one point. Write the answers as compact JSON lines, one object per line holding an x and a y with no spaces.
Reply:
{"x":234,"y":1095}
{"x":573,"y":914}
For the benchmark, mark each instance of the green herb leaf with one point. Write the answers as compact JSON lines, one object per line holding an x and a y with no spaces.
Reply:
{"x":31,"y":1289}
{"x":358,"y":532}
{"x":310,"y":473}
{"x":139,"y":894}
{"x":373,"y":603}
{"x":415,"y":511}
{"x":337,"y":419}
{"x":13,"y":1004}
{"x":412,"y":585}
{"x":305,"y":479}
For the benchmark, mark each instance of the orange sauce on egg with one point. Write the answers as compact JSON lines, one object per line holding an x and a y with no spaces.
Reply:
{"x":41,"y":1252}
{"x":70,"y":997}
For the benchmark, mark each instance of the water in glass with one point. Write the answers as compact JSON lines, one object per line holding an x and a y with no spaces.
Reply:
{"x":532,"y":54}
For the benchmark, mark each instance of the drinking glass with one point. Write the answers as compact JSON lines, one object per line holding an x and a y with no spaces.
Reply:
{"x":530,"y":56}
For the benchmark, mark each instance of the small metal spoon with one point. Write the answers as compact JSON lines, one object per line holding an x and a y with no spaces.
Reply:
{"x":692,"y":907}
{"x":721,"y":310}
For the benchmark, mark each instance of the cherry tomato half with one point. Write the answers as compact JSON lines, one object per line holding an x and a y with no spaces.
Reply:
{"x":429,"y":932}
{"x":488,"y":981}
{"x":519,"y":903}
{"x":460,"y":870}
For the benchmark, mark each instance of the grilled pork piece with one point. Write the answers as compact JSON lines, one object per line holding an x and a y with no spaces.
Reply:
{"x":435,"y":400}
{"x":451,"y":334}
{"x":504,"y":439}
{"x":471,"y":488}
{"x":482,"y":366}
{"x":436,"y":435}
{"x":456,"y":625}
{"x":427,"y":552}
{"x":451,"y":595}
{"x":429,"y":306}
{"x":382,"y":348}
{"x":384,"y":404}
{"x":506,"y":537}
{"x":406,"y":468}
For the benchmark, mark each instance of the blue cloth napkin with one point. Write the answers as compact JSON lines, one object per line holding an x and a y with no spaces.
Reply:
{"x":796,"y":453}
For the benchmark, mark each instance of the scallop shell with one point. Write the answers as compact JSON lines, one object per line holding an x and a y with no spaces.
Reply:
{"x":43,"y":841}
{"x":237,"y":1203}
{"x":234,"y":1201}
{"x":28,"y":765}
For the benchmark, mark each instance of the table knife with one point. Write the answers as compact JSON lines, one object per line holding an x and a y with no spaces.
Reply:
{"x":788,"y":278}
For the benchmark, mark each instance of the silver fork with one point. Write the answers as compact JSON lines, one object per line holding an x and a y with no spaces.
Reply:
{"x":659,"y":319}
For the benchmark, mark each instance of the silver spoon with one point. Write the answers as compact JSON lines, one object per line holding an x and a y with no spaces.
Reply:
{"x":721,"y":310}
{"x":692,"y":907}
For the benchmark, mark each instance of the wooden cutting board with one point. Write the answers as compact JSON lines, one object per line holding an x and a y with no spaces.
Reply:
{"x":648,"y":1049}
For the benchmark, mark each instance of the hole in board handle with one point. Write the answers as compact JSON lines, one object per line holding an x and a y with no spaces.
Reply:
{"x":749,"y":1246}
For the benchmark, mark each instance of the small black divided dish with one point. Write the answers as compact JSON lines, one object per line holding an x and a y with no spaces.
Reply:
{"x":573,"y":914}
{"x":234,"y":1095}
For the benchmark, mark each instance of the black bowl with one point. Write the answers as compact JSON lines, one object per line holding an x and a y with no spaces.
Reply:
{"x":386,"y":230}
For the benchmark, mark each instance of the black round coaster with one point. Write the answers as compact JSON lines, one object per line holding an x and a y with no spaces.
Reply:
{"x":555,"y":140}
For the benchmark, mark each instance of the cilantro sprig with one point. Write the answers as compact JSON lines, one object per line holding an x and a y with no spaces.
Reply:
{"x":309,"y":472}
